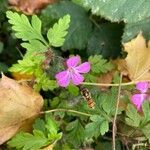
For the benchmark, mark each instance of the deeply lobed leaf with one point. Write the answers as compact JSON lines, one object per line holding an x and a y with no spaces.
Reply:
{"x":56,"y":35}
{"x":22,"y":27}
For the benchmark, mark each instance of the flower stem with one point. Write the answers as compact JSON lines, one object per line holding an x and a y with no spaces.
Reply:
{"x":66,"y":110}
{"x":114,"y":128}
{"x":105,"y":84}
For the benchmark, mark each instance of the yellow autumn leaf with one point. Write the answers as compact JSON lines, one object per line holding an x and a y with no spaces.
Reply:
{"x":138,"y":59}
{"x":19,"y":106}
{"x":49,"y":147}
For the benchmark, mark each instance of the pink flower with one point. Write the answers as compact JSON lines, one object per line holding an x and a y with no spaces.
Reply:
{"x":138,"y":99}
{"x":73,"y":73}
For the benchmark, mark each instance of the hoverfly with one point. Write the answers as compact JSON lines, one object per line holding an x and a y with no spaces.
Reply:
{"x":87,"y":97}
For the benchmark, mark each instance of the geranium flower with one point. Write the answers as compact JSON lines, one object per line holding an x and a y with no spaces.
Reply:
{"x":138,"y":99}
{"x":73,"y":72}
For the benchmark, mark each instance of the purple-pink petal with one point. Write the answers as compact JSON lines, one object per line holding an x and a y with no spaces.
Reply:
{"x":142,"y":86}
{"x":76,"y":78}
{"x":73,"y":61}
{"x":63,"y":78}
{"x":137,"y":100}
{"x":83,"y":68}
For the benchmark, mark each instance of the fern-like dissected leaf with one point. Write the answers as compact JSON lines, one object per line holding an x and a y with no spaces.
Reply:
{"x":44,"y":133}
{"x":99,"y":65}
{"x":76,"y":133}
{"x":43,"y":82}
{"x":28,"y":141}
{"x":56,"y":35}
{"x":133,"y":118}
{"x":23,"y":28}
{"x":24,"y":66}
{"x":98,"y":126}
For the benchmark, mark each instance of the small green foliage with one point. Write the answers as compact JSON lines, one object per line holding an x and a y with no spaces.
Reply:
{"x":80,"y":26}
{"x":43,"y":82}
{"x":24,"y":66}
{"x":107,"y":102}
{"x":133,"y":118}
{"x":146,"y":131}
{"x":58,"y":32}
{"x":76,"y":133}
{"x":28,"y":141}
{"x":99,"y":125}
{"x":73,"y":90}
{"x":99,"y":65}
{"x":44,"y":133}
{"x":37,"y":46}
{"x":22,"y":27}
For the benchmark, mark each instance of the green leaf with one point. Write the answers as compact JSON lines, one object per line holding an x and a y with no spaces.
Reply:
{"x":45,"y":132}
{"x":3,"y":67}
{"x":35,"y":48}
{"x":108,"y":103}
{"x":24,"y":66}
{"x":146,"y":131}
{"x":80,"y":26}
{"x":118,"y":10}
{"x":98,"y":126}
{"x":39,"y":125}
{"x":133,"y":118}
{"x":43,"y":82}
{"x":51,"y":126}
{"x":75,"y":133}
{"x":23,"y":28}
{"x":146,"y":112}
{"x":27,"y":141}
{"x":56,"y":35}
{"x":1,"y":46}
{"x":99,"y":65}
{"x":73,"y":90}
{"x":105,"y":40}
{"x":131,"y":30}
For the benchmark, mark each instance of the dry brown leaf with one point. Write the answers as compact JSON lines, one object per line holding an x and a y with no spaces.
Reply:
{"x":19,"y":106}
{"x":137,"y":62}
{"x":30,"y":6}
{"x":106,"y":79}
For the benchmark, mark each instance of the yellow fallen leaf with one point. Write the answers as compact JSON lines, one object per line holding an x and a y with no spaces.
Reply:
{"x":138,"y":59}
{"x":19,"y":106}
{"x":49,"y":147}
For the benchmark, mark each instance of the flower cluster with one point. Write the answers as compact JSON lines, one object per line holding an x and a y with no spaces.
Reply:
{"x":73,"y":72}
{"x":138,"y":99}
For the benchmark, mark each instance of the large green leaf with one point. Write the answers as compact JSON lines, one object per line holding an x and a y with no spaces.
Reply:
{"x":132,"y":30}
{"x":80,"y":26}
{"x":118,"y":10}
{"x":105,"y":40}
